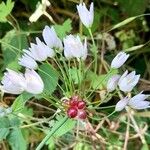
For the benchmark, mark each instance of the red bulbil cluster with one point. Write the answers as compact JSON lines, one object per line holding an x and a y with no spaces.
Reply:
{"x":76,"y":108}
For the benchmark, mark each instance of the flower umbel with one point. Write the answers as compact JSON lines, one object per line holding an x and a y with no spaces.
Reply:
{"x":86,"y":15}
{"x":119,"y":60}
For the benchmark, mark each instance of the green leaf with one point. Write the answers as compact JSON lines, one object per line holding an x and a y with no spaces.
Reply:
{"x":98,"y":82}
{"x":5,"y":124}
{"x":120,"y":24}
{"x":49,"y":77}
{"x":132,"y":7}
{"x":12,"y":44}
{"x":16,"y":140}
{"x":20,"y":101}
{"x":67,"y":126}
{"x":59,"y":124}
{"x":5,"y":10}
{"x":134,"y":48}
{"x":63,"y":29}
{"x":75,"y":74}
{"x":3,"y":133}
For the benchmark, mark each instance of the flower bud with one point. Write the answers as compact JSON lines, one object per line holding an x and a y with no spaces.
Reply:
{"x":86,"y":16}
{"x":119,"y":60}
{"x":51,"y":38}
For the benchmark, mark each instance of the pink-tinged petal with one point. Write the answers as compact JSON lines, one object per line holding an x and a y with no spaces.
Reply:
{"x":122,"y":104}
{"x":119,"y":60}
{"x":34,"y":82}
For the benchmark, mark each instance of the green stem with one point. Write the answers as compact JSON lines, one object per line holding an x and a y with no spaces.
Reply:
{"x":51,"y":133}
{"x":94,"y":50}
{"x":63,"y":74}
{"x":100,"y":83}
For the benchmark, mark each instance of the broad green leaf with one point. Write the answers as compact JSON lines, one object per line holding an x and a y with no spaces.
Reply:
{"x":12,"y":44}
{"x":16,"y":140}
{"x":3,"y":133}
{"x":49,"y":77}
{"x":5,"y":10}
{"x":20,"y":101}
{"x":5,"y":124}
{"x":63,"y":29}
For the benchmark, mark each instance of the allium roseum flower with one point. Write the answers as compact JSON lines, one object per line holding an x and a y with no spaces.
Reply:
{"x":34,"y":82}
{"x":28,"y":62}
{"x":119,"y":60}
{"x":86,"y":15}
{"x":39,"y":51}
{"x":128,"y":81}
{"x":73,"y":47}
{"x":112,"y":83}
{"x":51,"y":38}
{"x":122,"y":104}
{"x":13,"y":82}
{"x":136,"y":102}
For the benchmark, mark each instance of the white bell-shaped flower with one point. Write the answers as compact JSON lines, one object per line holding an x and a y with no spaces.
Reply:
{"x":119,"y":60}
{"x":34,"y":82}
{"x":122,"y":104}
{"x":40,"y":51}
{"x":86,"y":16}
{"x":128,"y":81}
{"x":13,"y":82}
{"x":112,"y":82}
{"x":138,"y":101}
{"x":28,"y":62}
{"x":51,"y":38}
{"x":73,"y":47}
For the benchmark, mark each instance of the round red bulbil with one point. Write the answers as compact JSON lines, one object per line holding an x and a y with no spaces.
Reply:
{"x":72,"y":112}
{"x":81,"y":105}
{"x":82,"y":114}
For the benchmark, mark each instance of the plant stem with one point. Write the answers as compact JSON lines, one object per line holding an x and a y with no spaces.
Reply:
{"x":50,"y":134}
{"x":94,"y":50}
